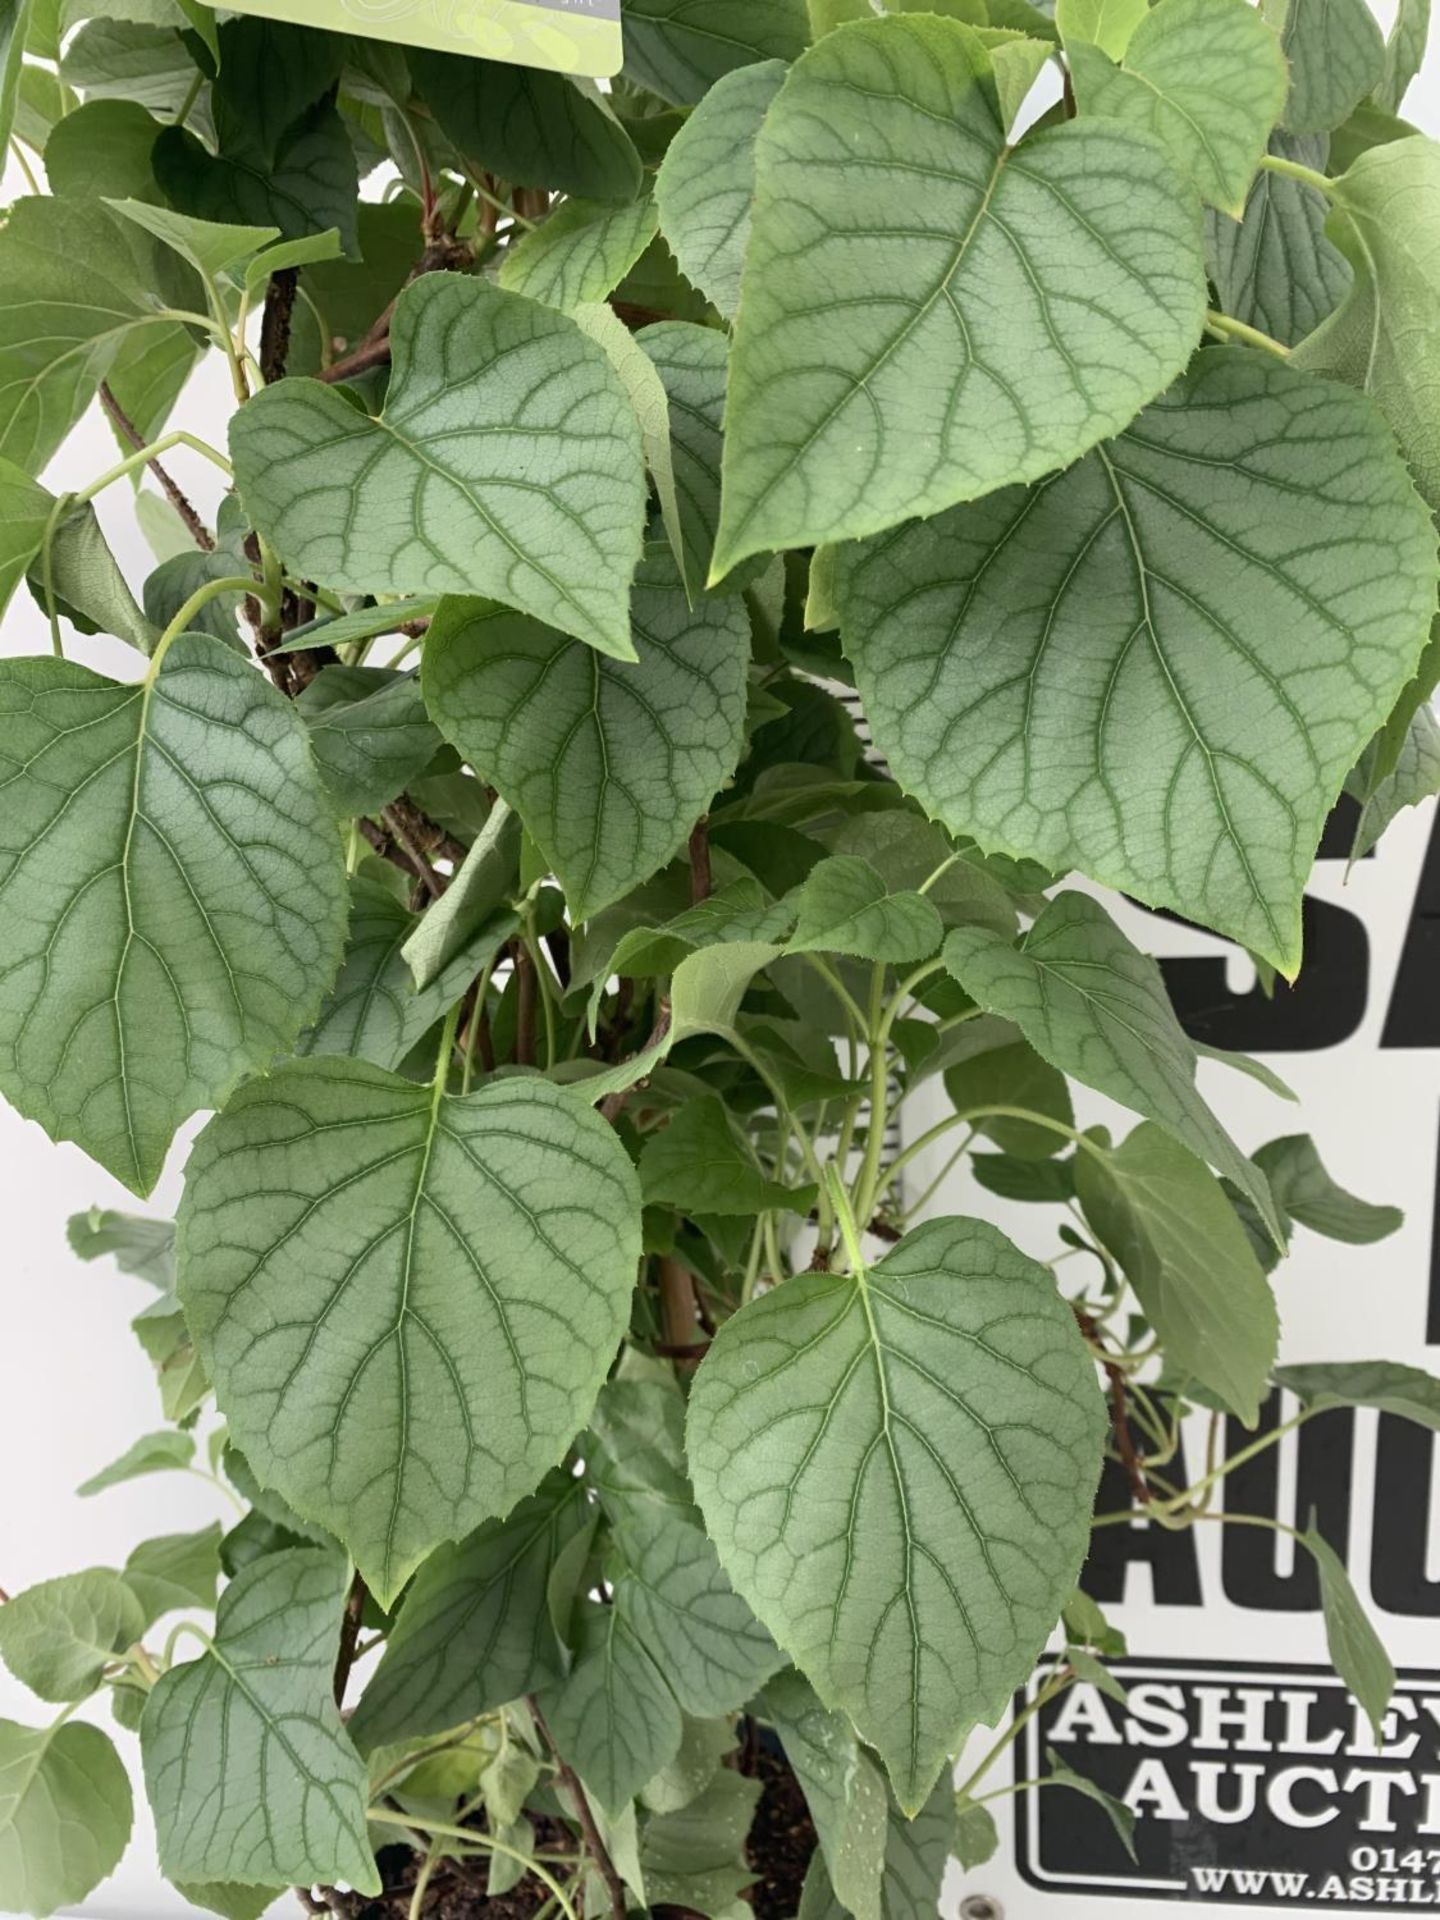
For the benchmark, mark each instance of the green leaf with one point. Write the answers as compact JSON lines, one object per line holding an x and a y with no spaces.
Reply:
{"x":1036,"y":1182}
{"x":702,"y":1751}
{"x":882,"y":1418}
{"x":149,"y":374}
{"x":846,"y":907}
{"x":740,"y":911}
{"x":1013,"y":1076}
{"x":705,"y":997}
{"x":881,"y":373}
{"x":916,"y":1854}
{"x":88,"y":587}
{"x":439,"y":493}
{"x":1106,"y":24}
{"x":1121,"y":1817}
{"x":532,"y":128}
{"x":1016,"y":61}
{"x":844,"y":1790}
{"x":25,"y":509}
{"x":712,"y":1650}
{"x":635,"y":1451}
{"x":1385,"y":221}
{"x":1404,"y":53}
{"x":14,"y":26}
{"x":490,"y":1221}
{"x":1206,"y":77}
{"x":676,"y":1600}
{"x":1336,"y":55}
{"x":581,"y":253}
{"x":165,"y":1452}
{"x":249,"y":1769}
{"x":910,"y":852}
{"x":270,"y":73}
{"x":1356,"y":1651}
{"x":1160,"y":666}
{"x":474,"y":1631}
{"x":693,"y":364}
{"x":209,"y":246}
{"x":1096,"y":1007}
{"x":1414,"y":779}
{"x":706,"y":182}
{"x":1274,"y":268}
{"x":1369,"y":126}
{"x":140,"y":1246}
{"x":609,"y":764}
{"x":229,"y":1900}
{"x":1096,"y":1674}
{"x":369,"y":733}
{"x":65,"y":1814}
{"x":175,"y":893}
{"x":1305,"y":1191}
{"x":701,"y":1163}
{"x":366,"y":623}
{"x":57,"y":1638}
{"x":110,"y":58}
{"x":375,"y":1012}
{"x":1165,"y":1217}
{"x":202,"y":20}
{"x":680,"y":48}
{"x":72,"y":288}
{"x":175,"y":1572}
{"x":651,"y":406}
{"x":474,"y":908}
{"x":103,"y":149}
{"x":310,"y":250}
{"x":309,"y":188}
{"x":614,"y":1717}
{"x":696,"y":1857}
{"x":977,"y":1838}
{"x":1408,"y":1392}
{"x":173,"y":582}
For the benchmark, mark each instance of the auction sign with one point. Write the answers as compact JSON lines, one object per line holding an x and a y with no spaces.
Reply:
{"x":565,"y":36}
{"x":1255,"y":1781}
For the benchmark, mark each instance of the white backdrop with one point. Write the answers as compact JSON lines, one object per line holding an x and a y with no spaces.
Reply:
{"x":75,"y":1389}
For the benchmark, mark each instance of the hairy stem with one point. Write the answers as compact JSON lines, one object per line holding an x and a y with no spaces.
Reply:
{"x":584,"y":1814}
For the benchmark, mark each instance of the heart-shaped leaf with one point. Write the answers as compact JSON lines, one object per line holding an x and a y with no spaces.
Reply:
{"x":486,"y":1281}
{"x":1159,"y":666}
{"x":173,"y":890}
{"x":507,"y":461}
{"x":1206,"y":77}
{"x":248,"y":1766}
{"x":57,"y":1637}
{"x":707,"y":181}
{"x":881,"y":371}
{"x":608,"y":763}
{"x":613,"y":1716}
{"x":581,"y":253}
{"x":935,"y":1420}
{"x":474,"y":1631}
{"x":65,"y":1814}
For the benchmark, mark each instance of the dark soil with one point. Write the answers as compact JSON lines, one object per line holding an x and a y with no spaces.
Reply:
{"x":456,"y":1890}
{"x":782,"y":1838}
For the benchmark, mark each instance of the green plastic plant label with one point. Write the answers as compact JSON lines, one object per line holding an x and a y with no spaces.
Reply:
{"x":566,"y":36}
